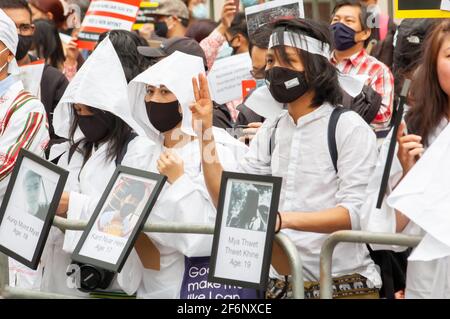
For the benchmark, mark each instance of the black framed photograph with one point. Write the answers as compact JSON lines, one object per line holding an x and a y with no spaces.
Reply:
{"x":119,"y":218}
{"x":245,"y":229}
{"x":29,"y":206}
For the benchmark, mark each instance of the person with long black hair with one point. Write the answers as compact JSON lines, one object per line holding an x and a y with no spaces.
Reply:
{"x":418,"y":192}
{"x":95,"y":117}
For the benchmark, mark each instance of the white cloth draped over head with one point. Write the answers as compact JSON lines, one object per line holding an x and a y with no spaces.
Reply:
{"x":174,"y":72}
{"x":424,"y":197}
{"x":9,"y":37}
{"x":262,"y":102}
{"x":100,"y":83}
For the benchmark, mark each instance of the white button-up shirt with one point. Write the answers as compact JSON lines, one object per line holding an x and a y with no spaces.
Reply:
{"x":302,"y":158}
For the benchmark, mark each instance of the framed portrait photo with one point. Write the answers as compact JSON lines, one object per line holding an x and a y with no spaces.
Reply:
{"x":119,"y":218}
{"x":245,"y":228}
{"x":29,"y":206}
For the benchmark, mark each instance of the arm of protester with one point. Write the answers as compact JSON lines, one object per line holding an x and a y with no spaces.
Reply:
{"x":170,"y":165}
{"x":410,"y":149}
{"x":71,"y":62}
{"x":212,"y":44}
{"x":202,"y":119}
{"x":250,"y":132}
{"x":383,"y":84}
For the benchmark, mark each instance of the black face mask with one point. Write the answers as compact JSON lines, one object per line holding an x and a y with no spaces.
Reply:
{"x":23,"y":46}
{"x":163,"y":116}
{"x":286,"y":85}
{"x":96,"y":127}
{"x":161,"y":29}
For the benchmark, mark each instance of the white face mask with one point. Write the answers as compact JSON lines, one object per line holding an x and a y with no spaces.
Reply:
{"x":4,"y":65}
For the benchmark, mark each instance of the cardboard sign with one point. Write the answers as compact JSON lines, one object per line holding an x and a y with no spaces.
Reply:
{"x":260,"y":15}
{"x":145,"y":10}
{"x":420,"y":9}
{"x":226,"y":76}
{"x":105,"y":15}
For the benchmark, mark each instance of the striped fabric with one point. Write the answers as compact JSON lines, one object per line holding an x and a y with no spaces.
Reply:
{"x":380,"y":79}
{"x":27,"y":135}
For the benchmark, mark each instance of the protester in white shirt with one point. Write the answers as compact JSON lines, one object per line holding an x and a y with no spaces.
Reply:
{"x":315,"y":200}
{"x":419,"y":204}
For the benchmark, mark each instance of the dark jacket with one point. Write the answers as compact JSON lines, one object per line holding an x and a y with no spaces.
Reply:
{"x":53,"y":85}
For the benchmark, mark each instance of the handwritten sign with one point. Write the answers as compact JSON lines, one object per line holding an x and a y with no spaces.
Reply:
{"x":226,"y":76}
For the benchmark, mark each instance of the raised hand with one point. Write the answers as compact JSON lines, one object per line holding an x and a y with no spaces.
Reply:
{"x":202,"y":108}
{"x":410,"y":149}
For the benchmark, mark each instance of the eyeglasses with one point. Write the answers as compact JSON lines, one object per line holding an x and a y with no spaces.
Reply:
{"x":25,"y":28}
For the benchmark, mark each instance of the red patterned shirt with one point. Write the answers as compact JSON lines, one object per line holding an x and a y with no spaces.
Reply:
{"x":380,"y":79}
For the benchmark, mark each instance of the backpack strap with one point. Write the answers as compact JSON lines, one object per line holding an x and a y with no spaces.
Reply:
{"x":332,"y":125}
{"x":272,"y":137}
{"x":124,"y":149}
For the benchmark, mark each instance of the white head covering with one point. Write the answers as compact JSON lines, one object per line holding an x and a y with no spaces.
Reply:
{"x":9,"y":37}
{"x":100,"y":83}
{"x":176,"y":73}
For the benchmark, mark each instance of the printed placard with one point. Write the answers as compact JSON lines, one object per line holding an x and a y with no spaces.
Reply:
{"x":105,"y":15}
{"x":29,"y":206}
{"x":244,"y":233}
{"x":405,"y":9}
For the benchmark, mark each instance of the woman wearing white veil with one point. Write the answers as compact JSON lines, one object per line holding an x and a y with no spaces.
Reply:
{"x":161,"y":98}
{"x":94,"y":115}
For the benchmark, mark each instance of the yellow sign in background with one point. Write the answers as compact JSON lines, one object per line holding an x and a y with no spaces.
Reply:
{"x":419,"y":9}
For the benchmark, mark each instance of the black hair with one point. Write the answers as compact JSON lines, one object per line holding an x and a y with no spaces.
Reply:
{"x":118,"y":134}
{"x":125,"y":43}
{"x":47,"y":43}
{"x":200,"y":29}
{"x":364,"y":15}
{"x":15,"y":4}
{"x":321,"y":75}
{"x":260,"y":39}
{"x":184,"y":22}
{"x":408,"y":51}
{"x":239,"y":26}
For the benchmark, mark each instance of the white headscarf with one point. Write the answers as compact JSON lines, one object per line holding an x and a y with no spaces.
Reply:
{"x":176,"y":73}
{"x":9,"y":37}
{"x":100,"y":83}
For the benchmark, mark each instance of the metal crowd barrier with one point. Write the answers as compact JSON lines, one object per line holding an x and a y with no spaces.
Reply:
{"x":286,"y":244}
{"x":350,"y":236}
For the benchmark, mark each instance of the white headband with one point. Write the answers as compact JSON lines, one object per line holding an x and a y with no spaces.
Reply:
{"x":303,"y":42}
{"x":352,"y":84}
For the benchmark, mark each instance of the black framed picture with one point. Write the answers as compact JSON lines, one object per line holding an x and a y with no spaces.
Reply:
{"x":245,"y":228}
{"x":118,"y":218}
{"x":29,"y":206}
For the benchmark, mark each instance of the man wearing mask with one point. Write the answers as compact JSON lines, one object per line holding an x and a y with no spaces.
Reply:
{"x":351,"y":32}
{"x":22,"y":118}
{"x":171,"y":19}
{"x":53,"y":82}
